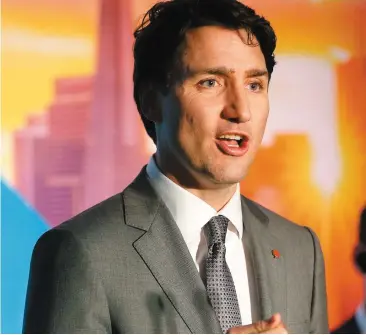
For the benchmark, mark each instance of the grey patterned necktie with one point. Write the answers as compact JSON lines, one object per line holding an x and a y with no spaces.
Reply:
{"x":219,"y":282}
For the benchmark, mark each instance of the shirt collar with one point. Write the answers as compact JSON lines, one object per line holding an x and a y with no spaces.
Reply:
{"x":190,"y":212}
{"x":360,"y":317}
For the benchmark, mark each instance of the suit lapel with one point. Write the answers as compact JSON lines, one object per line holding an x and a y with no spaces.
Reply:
{"x":165,"y":253}
{"x":269,"y":272}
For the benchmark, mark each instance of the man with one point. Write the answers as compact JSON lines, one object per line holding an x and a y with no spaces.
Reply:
{"x":357,"y":323}
{"x":180,"y":250}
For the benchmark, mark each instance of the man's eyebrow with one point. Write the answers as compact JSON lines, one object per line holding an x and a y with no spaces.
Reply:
{"x":221,"y":70}
{"x":256,"y":73}
{"x":224,"y":71}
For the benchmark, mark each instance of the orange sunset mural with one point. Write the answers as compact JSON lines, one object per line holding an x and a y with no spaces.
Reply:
{"x":64,"y":61}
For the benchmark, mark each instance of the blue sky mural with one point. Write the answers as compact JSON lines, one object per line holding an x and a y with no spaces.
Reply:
{"x":21,"y":227}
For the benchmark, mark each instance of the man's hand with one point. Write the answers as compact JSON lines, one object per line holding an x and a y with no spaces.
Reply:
{"x":273,"y":325}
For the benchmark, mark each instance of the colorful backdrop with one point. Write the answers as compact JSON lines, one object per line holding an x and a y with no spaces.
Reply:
{"x":71,"y":135}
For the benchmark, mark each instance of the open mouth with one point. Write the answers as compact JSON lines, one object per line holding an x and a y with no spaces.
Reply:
{"x":233,"y":144}
{"x":234,"y":141}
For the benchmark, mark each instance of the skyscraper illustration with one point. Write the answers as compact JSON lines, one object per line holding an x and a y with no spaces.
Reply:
{"x":50,"y":152}
{"x":116,"y":142}
{"x":29,"y":150}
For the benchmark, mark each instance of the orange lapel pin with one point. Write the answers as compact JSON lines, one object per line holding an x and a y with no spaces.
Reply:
{"x":276,"y":253}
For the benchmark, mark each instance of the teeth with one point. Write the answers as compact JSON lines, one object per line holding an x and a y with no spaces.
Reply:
{"x":232,"y":137}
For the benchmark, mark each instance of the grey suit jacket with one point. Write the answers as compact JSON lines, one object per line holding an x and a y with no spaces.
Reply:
{"x":122,"y":266}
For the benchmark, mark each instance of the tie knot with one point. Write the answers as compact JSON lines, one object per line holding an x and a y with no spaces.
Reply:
{"x":216,"y":229}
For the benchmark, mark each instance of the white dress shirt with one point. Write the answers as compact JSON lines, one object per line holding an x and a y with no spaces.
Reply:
{"x":191,"y":214}
{"x":360,"y":317}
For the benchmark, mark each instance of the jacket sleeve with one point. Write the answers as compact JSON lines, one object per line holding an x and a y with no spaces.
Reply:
{"x":319,"y":313}
{"x":65,"y":294}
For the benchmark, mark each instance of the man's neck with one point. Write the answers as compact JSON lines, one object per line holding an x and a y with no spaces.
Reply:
{"x":217,"y":196}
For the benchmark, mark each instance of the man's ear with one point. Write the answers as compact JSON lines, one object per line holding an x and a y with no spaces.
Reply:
{"x":150,"y":104}
{"x":359,"y":256}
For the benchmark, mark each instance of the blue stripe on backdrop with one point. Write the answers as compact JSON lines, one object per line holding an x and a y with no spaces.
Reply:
{"x":21,"y":227}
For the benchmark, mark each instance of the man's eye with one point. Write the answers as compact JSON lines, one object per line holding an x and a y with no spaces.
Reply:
{"x":208,"y":83}
{"x":255,"y":86}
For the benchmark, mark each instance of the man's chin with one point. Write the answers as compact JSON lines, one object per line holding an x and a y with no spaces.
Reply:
{"x":229,"y":178}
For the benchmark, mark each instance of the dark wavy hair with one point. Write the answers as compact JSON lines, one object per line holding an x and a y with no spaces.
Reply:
{"x":159,"y":40}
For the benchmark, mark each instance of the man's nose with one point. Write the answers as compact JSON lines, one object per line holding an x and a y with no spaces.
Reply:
{"x":237,"y":107}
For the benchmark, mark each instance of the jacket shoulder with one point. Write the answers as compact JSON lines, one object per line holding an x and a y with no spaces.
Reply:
{"x":98,"y":225}
{"x":291,"y":233}
{"x":279,"y":221}
{"x":101,"y":216}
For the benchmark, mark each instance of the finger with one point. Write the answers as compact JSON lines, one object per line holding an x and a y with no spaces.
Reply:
{"x":257,"y":327}
{"x":261,"y":326}
{"x":277,"y":330}
{"x":274,"y":321}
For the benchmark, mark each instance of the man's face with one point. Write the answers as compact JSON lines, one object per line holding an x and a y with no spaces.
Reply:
{"x":213,"y":119}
